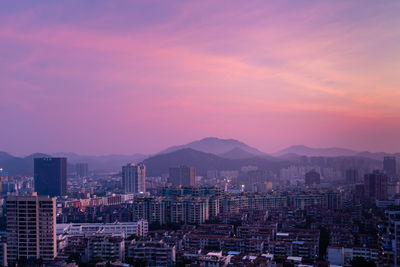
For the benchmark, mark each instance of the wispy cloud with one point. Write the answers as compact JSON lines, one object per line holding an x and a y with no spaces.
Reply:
{"x":202,"y":66}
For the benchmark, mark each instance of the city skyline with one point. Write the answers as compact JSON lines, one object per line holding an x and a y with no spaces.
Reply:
{"x":199,"y":133}
{"x":139,"y":77}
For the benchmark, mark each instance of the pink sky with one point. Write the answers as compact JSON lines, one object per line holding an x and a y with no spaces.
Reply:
{"x":123,"y":77}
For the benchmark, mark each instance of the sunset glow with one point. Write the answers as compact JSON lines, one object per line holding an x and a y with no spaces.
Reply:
{"x":138,"y":77}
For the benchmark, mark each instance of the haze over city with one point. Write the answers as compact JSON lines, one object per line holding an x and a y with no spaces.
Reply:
{"x":140,"y":76}
{"x":195,"y":133}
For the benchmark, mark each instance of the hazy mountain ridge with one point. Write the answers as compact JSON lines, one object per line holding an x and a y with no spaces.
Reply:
{"x":316,"y":152}
{"x":301,"y":150}
{"x":215,"y":146}
{"x":103,"y":162}
{"x":160,"y":163}
{"x":24,"y":165}
{"x":211,"y":153}
{"x":377,"y":155}
{"x":19,"y":166}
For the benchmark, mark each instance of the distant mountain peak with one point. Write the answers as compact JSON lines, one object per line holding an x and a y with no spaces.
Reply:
{"x":159,"y":164}
{"x":214,"y":145}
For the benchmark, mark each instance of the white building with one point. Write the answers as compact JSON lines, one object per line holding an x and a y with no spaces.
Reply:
{"x":139,"y":228}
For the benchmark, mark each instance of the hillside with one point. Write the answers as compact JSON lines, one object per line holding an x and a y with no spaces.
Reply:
{"x":160,"y":164}
{"x":215,"y":146}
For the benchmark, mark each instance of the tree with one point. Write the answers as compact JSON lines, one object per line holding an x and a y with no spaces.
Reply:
{"x":323,"y":242}
{"x":361,"y":262}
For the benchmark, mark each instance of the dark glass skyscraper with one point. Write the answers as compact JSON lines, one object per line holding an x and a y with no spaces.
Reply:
{"x":51,"y":176}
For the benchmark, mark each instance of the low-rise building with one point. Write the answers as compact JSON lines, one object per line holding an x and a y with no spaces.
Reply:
{"x":155,"y":253}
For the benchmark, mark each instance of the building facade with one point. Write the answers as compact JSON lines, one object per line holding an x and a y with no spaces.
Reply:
{"x":82,"y":169}
{"x":50,"y":176}
{"x":134,"y":178}
{"x":31,"y":228}
{"x":389,"y":166}
{"x":139,"y":228}
{"x":376,"y":186}
{"x":312,"y":178}
{"x":182,"y":176}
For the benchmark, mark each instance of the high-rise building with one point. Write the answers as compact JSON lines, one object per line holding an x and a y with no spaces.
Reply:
{"x":312,"y":177}
{"x":351,"y":176}
{"x":182,"y":176}
{"x":376,"y":186}
{"x":31,"y":228}
{"x":389,"y":165}
{"x":134,"y":178}
{"x":82,"y":169}
{"x":50,"y":176}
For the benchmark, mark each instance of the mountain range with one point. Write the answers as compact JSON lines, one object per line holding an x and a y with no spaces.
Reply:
{"x":215,"y":146}
{"x":160,"y":164}
{"x":207,"y":153}
{"x":300,"y":150}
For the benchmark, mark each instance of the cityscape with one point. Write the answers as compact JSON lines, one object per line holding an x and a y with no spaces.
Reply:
{"x":282,"y":210}
{"x":170,"y":133}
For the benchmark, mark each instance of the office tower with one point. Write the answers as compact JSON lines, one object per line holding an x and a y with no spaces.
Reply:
{"x":50,"y":176}
{"x":376,"y":186}
{"x":182,"y":176}
{"x":134,"y":178}
{"x":82,"y":169}
{"x":31,"y":228}
{"x":312,"y":177}
{"x":351,"y":176}
{"x":389,"y":165}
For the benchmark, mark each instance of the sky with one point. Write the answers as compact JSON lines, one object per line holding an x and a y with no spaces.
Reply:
{"x":108,"y":77}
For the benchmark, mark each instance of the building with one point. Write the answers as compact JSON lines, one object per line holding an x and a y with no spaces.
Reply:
{"x":156,"y":253}
{"x":50,"y":176}
{"x":134,"y":178}
{"x":304,"y":249}
{"x":139,"y":228}
{"x":389,"y":166}
{"x":106,"y":247}
{"x":376,"y":186}
{"x":197,"y":210}
{"x":351,"y":176}
{"x":216,"y":259}
{"x":390,"y":238}
{"x":182,"y":176}
{"x":3,"y":254}
{"x":31,"y":228}
{"x":312,"y":178}
{"x":82,"y":169}
{"x":342,"y":256}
